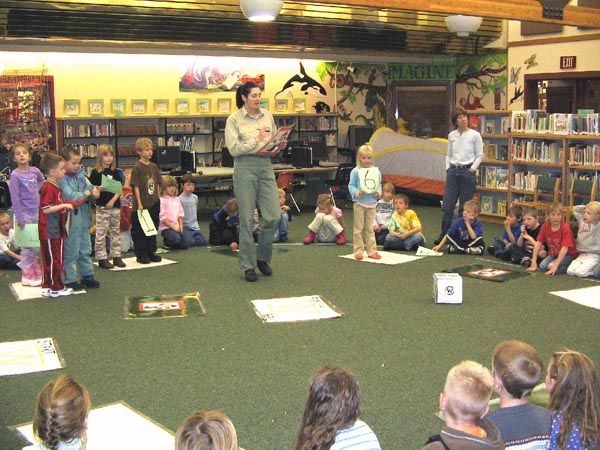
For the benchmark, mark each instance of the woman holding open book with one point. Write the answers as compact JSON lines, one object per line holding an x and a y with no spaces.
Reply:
{"x":247,"y":133}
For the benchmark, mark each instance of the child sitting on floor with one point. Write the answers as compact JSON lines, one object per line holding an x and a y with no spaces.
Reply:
{"x":171,"y":216}
{"x":466,"y":233}
{"x":512,"y":230}
{"x":192,"y":235}
{"x":558,"y":237}
{"x":224,"y":225}
{"x":8,"y":257}
{"x":523,"y":251}
{"x":281,"y":233}
{"x":517,"y":368}
{"x":588,"y":241}
{"x":331,"y":416}
{"x":328,"y":225}
{"x":574,"y":389}
{"x":404,"y":227}
{"x":60,"y":419}
{"x":383,"y":212}
{"x":463,"y":404}
{"x":206,"y":430}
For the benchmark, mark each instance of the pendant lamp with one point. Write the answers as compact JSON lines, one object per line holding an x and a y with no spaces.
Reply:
{"x":261,"y":10}
{"x":463,"y":25}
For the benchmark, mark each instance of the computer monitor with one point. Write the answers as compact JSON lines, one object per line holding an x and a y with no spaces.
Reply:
{"x":167,"y":158}
{"x":319,"y":151}
{"x":359,"y":135}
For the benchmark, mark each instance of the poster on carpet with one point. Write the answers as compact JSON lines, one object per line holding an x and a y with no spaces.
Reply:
{"x":32,"y":292}
{"x":387,"y":258}
{"x":228,"y":252}
{"x":488,"y":273}
{"x":294,"y":309}
{"x":589,"y":296}
{"x":164,"y":306}
{"x":117,"y":426}
{"x":35,"y":355}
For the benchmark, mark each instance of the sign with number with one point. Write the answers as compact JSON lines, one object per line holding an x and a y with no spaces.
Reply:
{"x":369,"y":179}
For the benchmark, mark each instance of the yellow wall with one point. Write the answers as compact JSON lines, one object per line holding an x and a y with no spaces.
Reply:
{"x":108,"y":76}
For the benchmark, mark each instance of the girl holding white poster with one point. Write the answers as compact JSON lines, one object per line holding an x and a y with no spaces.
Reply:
{"x":365,"y":188}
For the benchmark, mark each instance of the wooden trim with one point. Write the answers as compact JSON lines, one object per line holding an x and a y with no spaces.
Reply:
{"x":501,"y":9}
{"x":555,"y":40}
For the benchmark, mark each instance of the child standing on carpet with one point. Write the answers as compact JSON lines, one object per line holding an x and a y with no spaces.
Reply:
{"x":78,"y":191}
{"x":466,"y":233}
{"x":365,"y":188}
{"x":171,"y":216}
{"x":24,"y":185}
{"x":328,"y":225}
{"x":588,"y":240}
{"x":404,"y":227}
{"x":206,"y":430}
{"x":523,"y":251}
{"x":108,"y":209}
{"x":558,"y":237}
{"x":383,"y":213}
{"x":512,"y":230}
{"x":146,"y":183}
{"x":331,"y":416}
{"x":463,"y":404}
{"x":517,"y":368}
{"x":224,"y":225}
{"x":574,"y":389}
{"x":52,"y":226}
{"x":60,"y":420}
{"x":8,"y":257}
{"x":192,"y":235}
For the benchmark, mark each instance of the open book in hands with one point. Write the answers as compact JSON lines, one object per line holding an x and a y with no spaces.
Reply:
{"x":276,"y":143}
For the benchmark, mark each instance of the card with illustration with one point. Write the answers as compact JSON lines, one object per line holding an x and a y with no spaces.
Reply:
{"x":164,"y":306}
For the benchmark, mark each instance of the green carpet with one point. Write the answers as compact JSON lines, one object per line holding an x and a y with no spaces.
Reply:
{"x":392,"y":336}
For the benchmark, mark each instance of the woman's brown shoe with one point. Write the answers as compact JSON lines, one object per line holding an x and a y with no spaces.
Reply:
{"x":118,"y":262}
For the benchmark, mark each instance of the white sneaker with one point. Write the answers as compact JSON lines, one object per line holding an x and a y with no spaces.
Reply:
{"x":30,"y":282}
{"x":64,"y":291}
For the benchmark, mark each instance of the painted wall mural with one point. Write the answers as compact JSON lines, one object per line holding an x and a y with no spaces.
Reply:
{"x":481,"y":81}
{"x":210,"y":78}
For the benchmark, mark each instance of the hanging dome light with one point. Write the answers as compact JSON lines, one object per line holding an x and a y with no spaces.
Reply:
{"x":261,"y":10}
{"x":463,"y":25}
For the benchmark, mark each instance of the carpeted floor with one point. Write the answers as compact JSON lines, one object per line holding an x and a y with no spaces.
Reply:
{"x":392,"y":336}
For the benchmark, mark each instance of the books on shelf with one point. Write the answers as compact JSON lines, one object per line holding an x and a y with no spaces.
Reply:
{"x":501,"y":207}
{"x":490,"y":176}
{"x":501,"y":178}
{"x":584,"y":154}
{"x":504,"y":124}
{"x":487,"y":203}
{"x":536,"y":151}
{"x":496,"y":152}
{"x":89,"y":130}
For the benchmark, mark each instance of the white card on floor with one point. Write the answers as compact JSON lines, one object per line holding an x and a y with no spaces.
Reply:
{"x":36,"y":355}
{"x":424,"y":251}
{"x":294,"y":309}
{"x":589,"y":296}
{"x":30,"y":292}
{"x":118,"y":427}
{"x":388,"y":258}
{"x":132,"y":264}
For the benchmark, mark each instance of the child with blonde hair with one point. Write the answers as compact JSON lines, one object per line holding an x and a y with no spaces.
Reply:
{"x":60,"y":419}
{"x":574,"y":389}
{"x":171,"y":216}
{"x":588,"y":240}
{"x":108,"y":209}
{"x":331,"y":416}
{"x":466,"y":233}
{"x":405,"y":230}
{"x":558,"y":238}
{"x":24,"y":185}
{"x":383,"y":212}
{"x":463,"y":403}
{"x":206,"y":430}
{"x":281,"y":233}
{"x":328,"y":225}
{"x":191,"y":229}
{"x":365,"y":188}
{"x":9,"y":258}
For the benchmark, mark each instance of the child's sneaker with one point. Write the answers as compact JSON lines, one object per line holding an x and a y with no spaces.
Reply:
{"x":75,"y":286}
{"x":474,"y":251}
{"x":63,"y":292}
{"x":526,"y":262}
{"x":310,"y":237}
{"x":46,"y":292}
{"x":90,"y":282}
{"x":30,"y":282}
{"x":341,"y":239}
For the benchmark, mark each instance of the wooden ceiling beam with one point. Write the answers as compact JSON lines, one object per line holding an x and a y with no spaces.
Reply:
{"x":527,"y":10}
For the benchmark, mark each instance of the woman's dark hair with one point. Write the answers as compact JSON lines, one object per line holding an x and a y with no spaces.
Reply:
{"x":244,"y":90}
{"x":458,"y":111}
{"x":333,"y":404}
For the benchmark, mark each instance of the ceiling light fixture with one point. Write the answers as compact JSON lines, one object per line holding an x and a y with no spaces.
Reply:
{"x":261,"y":10}
{"x":463,"y":25}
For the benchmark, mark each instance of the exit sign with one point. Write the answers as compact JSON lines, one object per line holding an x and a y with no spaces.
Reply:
{"x":568,"y":62}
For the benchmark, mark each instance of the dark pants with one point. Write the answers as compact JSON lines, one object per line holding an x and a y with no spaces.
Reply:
{"x":174,"y":240}
{"x":380,"y":236}
{"x":221,"y":236}
{"x":7,"y":263}
{"x":502,"y":250}
{"x":144,"y":246}
{"x":460,"y":185}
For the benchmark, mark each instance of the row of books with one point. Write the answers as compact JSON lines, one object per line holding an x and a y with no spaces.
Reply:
{"x":86,"y":150}
{"x":487,"y":205}
{"x":493,"y":151}
{"x":585,"y":122}
{"x":190,"y":143}
{"x":490,"y":124}
{"x":89,"y":130}
{"x":317,"y":123}
{"x":584,"y":154}
{"x":187,"y":128}
{"x":492,"y":177}
{"x":536,"y":151}
{"x":137,"y":130}
{"x":527,"y":180}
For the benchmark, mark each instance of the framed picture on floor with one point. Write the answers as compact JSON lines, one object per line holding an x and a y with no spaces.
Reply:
{"x":96,"y":107}
{"x":72,"y":107}
{"x":161,"y":106}
{"x":117,"y":107}
{"x":139,"y":106}
{"x":281,"y":105}
{"x":264,"y":103}
{"x":182,"y":106}
{"x":203,"y":105}
{"x":299,"y":105}
{"x":224,"y":105}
